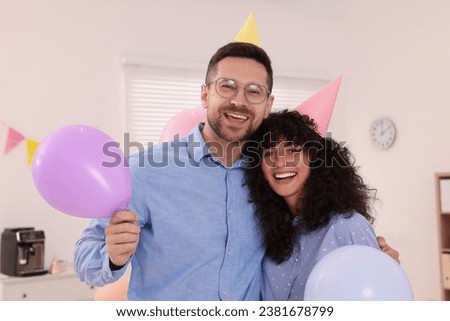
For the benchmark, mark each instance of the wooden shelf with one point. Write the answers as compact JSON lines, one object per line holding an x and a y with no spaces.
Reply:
{"x":443,"y":216}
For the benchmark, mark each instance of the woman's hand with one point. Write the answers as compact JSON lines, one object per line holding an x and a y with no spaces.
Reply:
{"x":393,"y":253}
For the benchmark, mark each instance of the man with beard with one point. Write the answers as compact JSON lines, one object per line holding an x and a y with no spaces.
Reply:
{"x":190,"y":232}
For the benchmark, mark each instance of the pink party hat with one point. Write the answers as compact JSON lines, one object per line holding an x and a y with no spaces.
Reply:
{"x":320,"y":105}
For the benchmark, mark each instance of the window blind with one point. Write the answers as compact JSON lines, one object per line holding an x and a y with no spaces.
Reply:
{"x":155,"y":94}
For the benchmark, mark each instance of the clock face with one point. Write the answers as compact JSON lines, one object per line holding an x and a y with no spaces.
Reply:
{"x":382,"y":133}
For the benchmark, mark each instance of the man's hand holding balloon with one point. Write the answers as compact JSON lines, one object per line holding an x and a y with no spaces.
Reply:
{"x":122,"y":237}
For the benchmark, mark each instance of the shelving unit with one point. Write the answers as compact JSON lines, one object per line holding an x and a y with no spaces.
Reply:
{"x":443,"y":219}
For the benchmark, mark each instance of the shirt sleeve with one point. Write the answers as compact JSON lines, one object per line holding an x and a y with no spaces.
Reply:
{"x":91,"y":261}
{"x":354,"y":230}
{"x":139,"y":189}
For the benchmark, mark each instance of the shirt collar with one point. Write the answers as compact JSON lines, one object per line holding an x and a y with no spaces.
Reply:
{"x":197,"y":148}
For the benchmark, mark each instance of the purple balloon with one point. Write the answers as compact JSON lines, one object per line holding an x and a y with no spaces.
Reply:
{"x":81,"y":171}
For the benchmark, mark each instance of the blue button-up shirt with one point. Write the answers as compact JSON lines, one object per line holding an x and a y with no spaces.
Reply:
{"x":199,"y":238}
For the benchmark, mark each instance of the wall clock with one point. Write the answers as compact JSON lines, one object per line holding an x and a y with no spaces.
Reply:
{"x":383,"y":133}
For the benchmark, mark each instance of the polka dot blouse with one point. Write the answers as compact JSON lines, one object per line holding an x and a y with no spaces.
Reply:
{"x":286,"y":281}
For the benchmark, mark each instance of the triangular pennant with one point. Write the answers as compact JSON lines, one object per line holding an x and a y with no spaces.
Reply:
{"x":14,"y":138}
{"x":320,"y":105}
{"x":248,"y":32}
{"x":31,"y":149}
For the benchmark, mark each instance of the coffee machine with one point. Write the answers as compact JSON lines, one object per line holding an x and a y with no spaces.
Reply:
{"x":22,"y":252}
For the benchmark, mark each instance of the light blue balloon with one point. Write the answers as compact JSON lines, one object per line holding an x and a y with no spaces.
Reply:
{"x":357,"y":273}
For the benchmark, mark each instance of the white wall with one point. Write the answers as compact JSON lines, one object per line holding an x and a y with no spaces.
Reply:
{"x":60,"y":65}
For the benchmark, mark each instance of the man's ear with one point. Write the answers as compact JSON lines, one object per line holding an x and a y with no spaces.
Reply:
{"x":268,"y":106}
{"x":204,"y":96}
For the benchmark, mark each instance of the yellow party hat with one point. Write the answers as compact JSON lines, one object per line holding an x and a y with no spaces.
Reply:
{"x":248,"y":32}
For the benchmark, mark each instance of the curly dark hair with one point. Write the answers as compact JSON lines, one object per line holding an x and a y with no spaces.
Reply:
{"x":332,"y":188}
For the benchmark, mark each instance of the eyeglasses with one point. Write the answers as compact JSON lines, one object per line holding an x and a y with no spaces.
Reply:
{"x":229,"y":88}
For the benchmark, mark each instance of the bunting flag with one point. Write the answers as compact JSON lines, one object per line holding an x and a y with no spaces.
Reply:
{"x":13,"y":139}
{"x":31,"y":149}
{"x":10,"y":138}
{"x":249,"y":32}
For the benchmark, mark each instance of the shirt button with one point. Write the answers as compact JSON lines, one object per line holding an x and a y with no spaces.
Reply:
{"x":229,"y":211}
{"x":229,"y":253}
{"x":224,"y":292}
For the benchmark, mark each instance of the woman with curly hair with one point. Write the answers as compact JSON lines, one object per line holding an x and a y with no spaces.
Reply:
{"x":309,"y":200}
